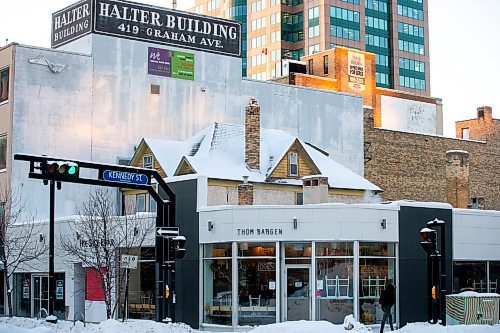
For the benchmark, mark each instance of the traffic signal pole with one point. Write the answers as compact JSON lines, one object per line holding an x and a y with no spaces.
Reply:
{"x":442,"y":283}
{"x":52,"y":280}
{"x":55,"y":170}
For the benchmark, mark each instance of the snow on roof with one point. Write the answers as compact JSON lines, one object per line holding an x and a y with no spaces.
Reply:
{"x":218,"y":152}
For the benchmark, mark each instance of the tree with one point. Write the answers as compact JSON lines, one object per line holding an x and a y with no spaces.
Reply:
{"x":19,"y":244}
{"x":101,"y":237}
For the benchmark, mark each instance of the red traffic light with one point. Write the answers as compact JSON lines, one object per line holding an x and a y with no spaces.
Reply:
{"x":428,"y":235}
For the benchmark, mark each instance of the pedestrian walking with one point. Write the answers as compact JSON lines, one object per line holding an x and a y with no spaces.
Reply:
{"x":387,"y":300}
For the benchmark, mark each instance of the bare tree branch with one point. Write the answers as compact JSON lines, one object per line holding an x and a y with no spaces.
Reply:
{"x":98,"y":237}
{"x":18,"y":244}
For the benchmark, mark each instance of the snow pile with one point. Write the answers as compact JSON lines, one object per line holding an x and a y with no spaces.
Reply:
{"x":30,"y":325}
{"x":303,"y":326}
{"x":429,"y":328}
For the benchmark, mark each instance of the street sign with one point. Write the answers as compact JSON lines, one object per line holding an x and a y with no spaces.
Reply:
{"x":129,"y":261}
{"x":168,"y":231}
{"x":125,"y":177}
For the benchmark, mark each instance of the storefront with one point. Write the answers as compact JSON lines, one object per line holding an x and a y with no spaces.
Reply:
{"x":331,"y":272}
{"x":310,"y":280}
{"x":31,"y":295}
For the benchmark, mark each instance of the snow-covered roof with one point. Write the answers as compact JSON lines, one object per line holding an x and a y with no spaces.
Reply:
{"x":218,"y":152}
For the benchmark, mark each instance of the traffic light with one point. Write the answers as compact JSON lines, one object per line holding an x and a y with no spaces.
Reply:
{"x":429,"y":243}
{"x":434,"y":293}
{"x":177,"y":250}
{"x":60,"y":169}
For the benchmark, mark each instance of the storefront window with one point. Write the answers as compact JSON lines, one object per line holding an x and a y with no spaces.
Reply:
{"x":256,"y":283}
{"x":334,"y":293}
{"x":298,"y":253}
{"x":375,"y":274}
{"x":22,"y":294}
{"x":217,"y":281}
{"x":469,"y":276}
{"x":494,"y":276}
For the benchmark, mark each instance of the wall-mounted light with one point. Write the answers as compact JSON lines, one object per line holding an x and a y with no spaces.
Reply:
{"x":42,"y":237}
{"x":203,"y":89}
{"x":383,"y":224}
{"x":295,"y":222}
{"x":210,"y":225}
{"x":136,"y":231}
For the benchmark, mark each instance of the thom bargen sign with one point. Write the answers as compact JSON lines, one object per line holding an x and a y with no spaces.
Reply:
{"x":146,"y":23}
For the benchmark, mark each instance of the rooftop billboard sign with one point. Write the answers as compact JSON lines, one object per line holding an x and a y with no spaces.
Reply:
{"x":146,"y":23}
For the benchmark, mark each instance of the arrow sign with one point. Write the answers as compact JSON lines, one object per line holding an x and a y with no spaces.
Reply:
{"x":168,"y":231}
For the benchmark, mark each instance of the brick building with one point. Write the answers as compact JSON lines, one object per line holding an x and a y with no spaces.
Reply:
{"x":433,"y":168}
{"x":352,"y":71}
{"x":405,"y":154}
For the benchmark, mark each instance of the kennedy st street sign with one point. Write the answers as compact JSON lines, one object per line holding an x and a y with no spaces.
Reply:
{"x":125,"y":177}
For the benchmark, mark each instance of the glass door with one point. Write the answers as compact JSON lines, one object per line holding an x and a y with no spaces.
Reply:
{"x":298,"y":293}
{"x":40,"y":295}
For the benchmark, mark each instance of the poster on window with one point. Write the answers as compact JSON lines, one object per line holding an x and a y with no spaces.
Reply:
{"x":59,"y":289}
{"x":356,"y":68}
{"x":168,"y":63}
{"x":26,"y":289}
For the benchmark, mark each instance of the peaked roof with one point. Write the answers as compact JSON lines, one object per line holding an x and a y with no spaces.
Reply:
{"x":218,"y":152}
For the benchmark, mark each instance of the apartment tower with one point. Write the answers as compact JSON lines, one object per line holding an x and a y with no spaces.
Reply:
{"x":395,"y":30}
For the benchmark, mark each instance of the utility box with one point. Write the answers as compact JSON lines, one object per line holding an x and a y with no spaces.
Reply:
{"x":470,"y":307}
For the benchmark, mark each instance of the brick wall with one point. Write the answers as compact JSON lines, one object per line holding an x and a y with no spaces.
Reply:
{"x":413,"y":166}
{"x":483,"y":128}
{"x":252,"y":135}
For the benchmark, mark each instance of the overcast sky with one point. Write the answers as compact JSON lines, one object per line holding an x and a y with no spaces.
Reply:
{"x":464,"y":47}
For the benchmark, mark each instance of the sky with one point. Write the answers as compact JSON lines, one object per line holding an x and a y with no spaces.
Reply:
{"x":32,"y":325}
{"x":463,"y":35}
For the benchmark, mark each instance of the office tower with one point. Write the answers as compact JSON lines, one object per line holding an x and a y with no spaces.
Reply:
{"x":396,"y":31}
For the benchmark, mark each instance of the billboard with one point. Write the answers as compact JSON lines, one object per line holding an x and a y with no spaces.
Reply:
{"x":168,"y":63}
{"x":146,"y":23}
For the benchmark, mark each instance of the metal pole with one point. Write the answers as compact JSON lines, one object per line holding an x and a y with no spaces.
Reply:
{"x":52,"y":289}
{"x":160,"y":287}
{"x":442,"y":298}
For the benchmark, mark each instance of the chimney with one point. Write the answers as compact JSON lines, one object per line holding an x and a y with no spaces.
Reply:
{"x":457,"y":178}
{"x":245,"y":192}
{"x":315,"y":189}
{"x":252,"y":135}
{"x":485,"y":112}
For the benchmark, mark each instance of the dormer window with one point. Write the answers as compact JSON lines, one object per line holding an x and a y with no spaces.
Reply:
{"x":147,"y":162}
{"x":293,"y":164}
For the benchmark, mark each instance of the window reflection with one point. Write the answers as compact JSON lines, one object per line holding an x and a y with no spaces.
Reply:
{"x":374,"y":275}
{"x":217,"y":298}
{"x":334,"y":292}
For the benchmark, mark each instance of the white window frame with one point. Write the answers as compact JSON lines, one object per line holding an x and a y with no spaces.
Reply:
{"x":143,"y":196}
{"x":147,"y":165}
{"x":293,"y":161}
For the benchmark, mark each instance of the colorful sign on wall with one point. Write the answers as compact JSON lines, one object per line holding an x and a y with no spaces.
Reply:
{"x":168,"y":63}
{"x":356,"y":70}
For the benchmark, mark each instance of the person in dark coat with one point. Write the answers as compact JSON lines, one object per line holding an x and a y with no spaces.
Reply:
{"x":387,"y":300}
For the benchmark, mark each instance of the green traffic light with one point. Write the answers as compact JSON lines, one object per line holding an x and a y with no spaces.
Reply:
{"x":72,"y":170}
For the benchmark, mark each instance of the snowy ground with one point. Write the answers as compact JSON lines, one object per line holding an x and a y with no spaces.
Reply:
{"x":28,"y":325}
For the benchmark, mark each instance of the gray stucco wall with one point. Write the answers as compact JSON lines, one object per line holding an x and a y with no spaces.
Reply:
{"x":100,"y":106}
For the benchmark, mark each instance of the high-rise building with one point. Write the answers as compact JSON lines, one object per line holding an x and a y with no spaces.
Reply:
{"x":396,"y":31}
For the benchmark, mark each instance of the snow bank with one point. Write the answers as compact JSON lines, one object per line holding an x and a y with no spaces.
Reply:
{"x":30,"y":325}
